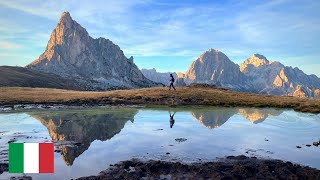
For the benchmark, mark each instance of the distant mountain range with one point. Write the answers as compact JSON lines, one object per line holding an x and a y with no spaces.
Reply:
{"x":163,"y":78}
{"x":256,"y":74}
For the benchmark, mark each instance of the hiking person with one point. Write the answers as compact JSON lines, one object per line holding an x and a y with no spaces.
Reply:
{"x":171,"y":82}
{"x":171,"y":119}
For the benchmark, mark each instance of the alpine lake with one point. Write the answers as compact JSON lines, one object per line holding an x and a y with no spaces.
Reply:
{"x":88,"y":140}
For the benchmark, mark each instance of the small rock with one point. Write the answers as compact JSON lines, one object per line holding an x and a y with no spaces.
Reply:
{"x":266,"y":139}
{"x":308,"y":145}
{"x":180,"y":139}
{"x":57,"y":151}
{"x":11,"y":141}
{"x":167,"y":153}
{"x":298,"y":147}
{"x":316,"y":143}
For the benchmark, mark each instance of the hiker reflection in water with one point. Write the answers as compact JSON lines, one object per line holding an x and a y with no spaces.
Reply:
{"x":171,"y":119}
{"x":171,"y":82}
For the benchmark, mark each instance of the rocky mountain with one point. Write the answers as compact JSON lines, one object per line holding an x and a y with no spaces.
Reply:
{"x":275,"y":78}
{"x":99,"y":63}
{"x":214,"y":67}
{"x":256,"y":74}
{"x":163,"y":78}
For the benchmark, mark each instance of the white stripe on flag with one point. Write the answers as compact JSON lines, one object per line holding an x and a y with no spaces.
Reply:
{"x":31,"y":157}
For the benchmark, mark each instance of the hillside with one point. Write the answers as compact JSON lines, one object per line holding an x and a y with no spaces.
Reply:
{"x":23,"y":77}
{"x":155,"y":96}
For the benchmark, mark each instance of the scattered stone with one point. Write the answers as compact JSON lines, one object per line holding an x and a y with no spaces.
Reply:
{"x":21,"y":178}
{"x":12,"y":140}
{"x":167,"y":153}
{"x":58,"y":151}
{"x":308,"y":145}
{"x":180,"y":139}
{"x":316,"y":143}
{"x":298,"y":147}
{"x":266,"y":139}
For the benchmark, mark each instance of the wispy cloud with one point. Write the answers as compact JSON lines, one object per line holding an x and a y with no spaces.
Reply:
{"x":149,"y":28}
{"x":8,"y":45}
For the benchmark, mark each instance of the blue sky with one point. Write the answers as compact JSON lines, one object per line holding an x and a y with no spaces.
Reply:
{"x":169,"y":35}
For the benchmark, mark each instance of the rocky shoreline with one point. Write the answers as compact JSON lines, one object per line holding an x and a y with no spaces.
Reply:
{"x":231,"y":167}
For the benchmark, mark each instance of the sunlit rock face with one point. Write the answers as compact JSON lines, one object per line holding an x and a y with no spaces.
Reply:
{"x":214,"y":118}
{"x":256,"y":115}
{"x":316,"y":93}
{"x":302,"y":92}
{"x":256,"y":60}
{"x":256,"y":74}
{"x":214,"y":67}
{"x":276,"y":79}
{"x":84,"y":128}
{"x":98,"y":63}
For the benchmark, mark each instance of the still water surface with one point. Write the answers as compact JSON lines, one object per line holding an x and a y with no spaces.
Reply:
{"x":88,"y":141}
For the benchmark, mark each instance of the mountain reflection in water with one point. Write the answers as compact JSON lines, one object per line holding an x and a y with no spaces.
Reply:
{"x":216,"y":118}
{"x":86,"y":126}
{"x":83,"y":127}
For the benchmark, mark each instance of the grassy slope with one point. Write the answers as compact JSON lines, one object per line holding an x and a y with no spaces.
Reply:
{"x":157,"y":96}
{"x":23,"y":77}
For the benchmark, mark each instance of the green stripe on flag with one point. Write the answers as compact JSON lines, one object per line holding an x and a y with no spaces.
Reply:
{"x":16,"y":158}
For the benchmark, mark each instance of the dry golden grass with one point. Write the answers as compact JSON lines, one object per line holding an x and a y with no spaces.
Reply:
{"x":157,"y":96}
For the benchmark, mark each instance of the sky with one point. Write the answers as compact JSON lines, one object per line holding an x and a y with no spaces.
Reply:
{"x":167,"y":34}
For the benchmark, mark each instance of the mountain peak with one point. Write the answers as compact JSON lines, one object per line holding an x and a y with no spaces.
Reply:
{"x":256,"y":60}
{"x":259,"y":56}
{"x":213,"y":50}
{"x":65,"y":17}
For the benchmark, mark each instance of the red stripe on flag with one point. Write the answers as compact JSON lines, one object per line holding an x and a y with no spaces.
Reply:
{"x":46,"y":162}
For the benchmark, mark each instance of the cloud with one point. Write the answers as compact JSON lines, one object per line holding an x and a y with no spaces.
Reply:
{"x":8,"y":45}
{"x":275,"y":28}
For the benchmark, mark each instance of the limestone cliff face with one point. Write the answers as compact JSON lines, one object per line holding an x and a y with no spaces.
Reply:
{"x":274,"y":78}
{"x":72,"y":53}
{"x":214,"y":67}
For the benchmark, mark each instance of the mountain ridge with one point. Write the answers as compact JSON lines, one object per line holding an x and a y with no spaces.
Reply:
{"x":256,"y":74}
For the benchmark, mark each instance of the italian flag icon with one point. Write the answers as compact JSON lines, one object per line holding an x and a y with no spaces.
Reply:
{"x":31,"y":158}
